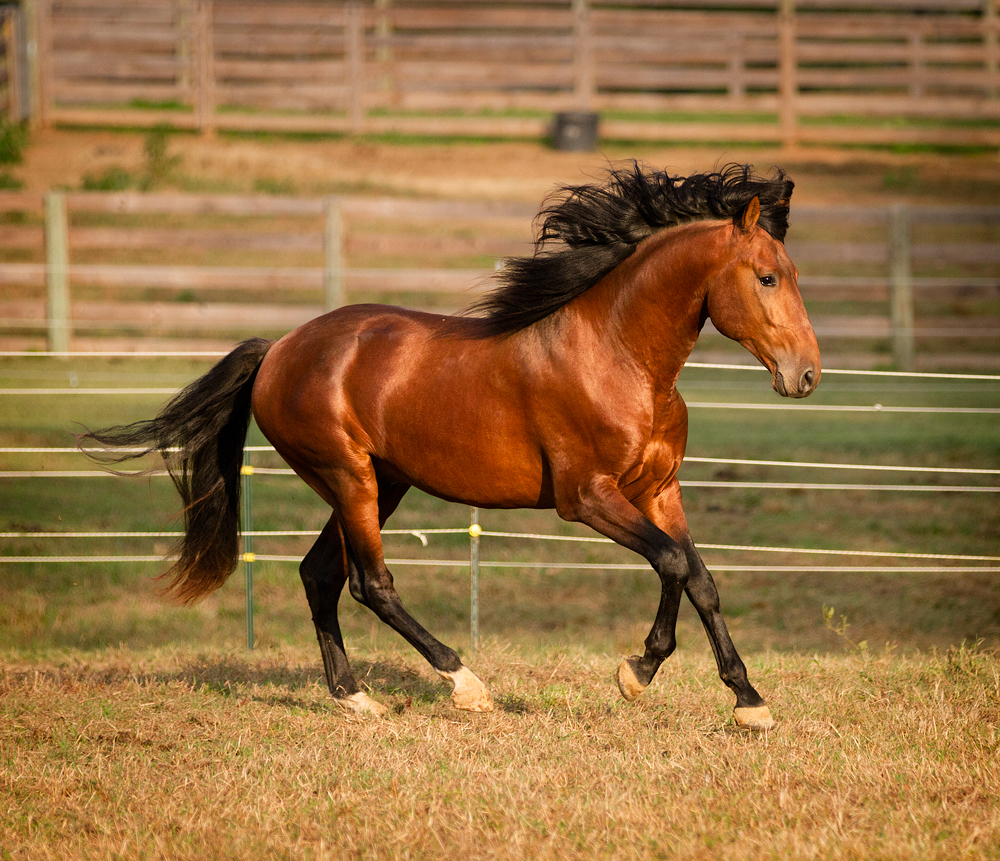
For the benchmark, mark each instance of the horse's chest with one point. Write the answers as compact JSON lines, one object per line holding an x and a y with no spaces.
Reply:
{"x":659,"y":454}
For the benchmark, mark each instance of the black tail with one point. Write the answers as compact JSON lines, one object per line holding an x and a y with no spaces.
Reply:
{"x":200,"y":434}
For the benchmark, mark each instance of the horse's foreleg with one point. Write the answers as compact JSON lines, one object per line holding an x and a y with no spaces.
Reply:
{"x":667,"y":512}
{"x":751,"y":711}
{"x":323,"y":572}
{"x":604,"y":508}
{"x":635,"y":672}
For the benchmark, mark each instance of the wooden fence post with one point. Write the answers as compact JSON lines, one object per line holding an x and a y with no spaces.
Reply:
{"x":56,"y":275}
{"x":916,"y":45}
{"x":736,"y":46}
{"x":383,"y":46}
{"x":787,"y":72}
{"x":584,"y":73}
{"x":29,"y":9}
{"x":204,"y":50}
{"x":12,"y":54}
{"x":991,"y":46}
{"x":355,"y":66}
{"x":43,"y":62}
{"x":333,"y":254}
{"x":184,"y":27}
{"x":901,"y":287}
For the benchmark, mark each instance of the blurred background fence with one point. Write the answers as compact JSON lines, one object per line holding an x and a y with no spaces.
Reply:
{"x":910,"y":286}
{"x":789,"y":71}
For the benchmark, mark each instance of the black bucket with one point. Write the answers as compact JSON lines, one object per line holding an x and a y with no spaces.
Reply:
{"x":575,"y":131}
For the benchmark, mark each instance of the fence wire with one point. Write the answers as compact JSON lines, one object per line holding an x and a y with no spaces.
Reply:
{"x":959,"y":563}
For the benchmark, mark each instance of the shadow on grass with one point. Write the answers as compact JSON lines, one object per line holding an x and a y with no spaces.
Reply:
{"x":231,"y":676}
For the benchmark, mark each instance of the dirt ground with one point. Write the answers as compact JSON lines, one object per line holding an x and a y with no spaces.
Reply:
{"x":504,"y":170}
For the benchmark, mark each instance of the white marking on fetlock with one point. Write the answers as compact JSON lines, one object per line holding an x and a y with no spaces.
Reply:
{"x":470,"y":693}
{"x":362,"y":704}
{"x":756,"y":717}
{"x":628,"y":684}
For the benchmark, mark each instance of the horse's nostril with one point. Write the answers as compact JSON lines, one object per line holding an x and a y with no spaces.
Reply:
{"x":808,"y":378}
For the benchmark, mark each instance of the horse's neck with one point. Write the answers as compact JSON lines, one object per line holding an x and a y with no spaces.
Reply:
{"x":651,"y":304}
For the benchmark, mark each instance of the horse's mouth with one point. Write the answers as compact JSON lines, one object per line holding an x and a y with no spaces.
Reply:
{"x":806,"y":384}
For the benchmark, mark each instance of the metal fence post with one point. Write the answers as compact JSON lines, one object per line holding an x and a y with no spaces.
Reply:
{"x":248,"y":555}
{"x":901,"y":286}
{"x":56,"y":274}
{"x":475,"y":530}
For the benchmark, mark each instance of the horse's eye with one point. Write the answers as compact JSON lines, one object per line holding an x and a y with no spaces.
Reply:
{"x":768,"y":281}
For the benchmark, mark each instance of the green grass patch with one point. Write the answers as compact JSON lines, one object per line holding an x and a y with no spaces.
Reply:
{"x":67,"y":604}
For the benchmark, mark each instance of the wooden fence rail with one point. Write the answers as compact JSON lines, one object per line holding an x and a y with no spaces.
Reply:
{"x":761,"y":70}
{"x":922,"y":281}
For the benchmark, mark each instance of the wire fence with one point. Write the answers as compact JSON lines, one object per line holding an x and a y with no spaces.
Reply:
{"x":957,"y":563}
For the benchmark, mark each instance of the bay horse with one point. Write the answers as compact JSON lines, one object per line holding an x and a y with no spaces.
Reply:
{"x":556,"y":390}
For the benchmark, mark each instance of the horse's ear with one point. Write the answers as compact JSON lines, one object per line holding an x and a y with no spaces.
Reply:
{"x":750,"y":215}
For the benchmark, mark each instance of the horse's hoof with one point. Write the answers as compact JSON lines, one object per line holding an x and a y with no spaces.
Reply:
{"x":470,"y":693}
{"x":628,"y":684}
{"x":361,"y":704}
{"x":757,"y":717}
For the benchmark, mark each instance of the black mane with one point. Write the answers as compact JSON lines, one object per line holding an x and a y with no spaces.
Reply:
{"x":596,"y":227}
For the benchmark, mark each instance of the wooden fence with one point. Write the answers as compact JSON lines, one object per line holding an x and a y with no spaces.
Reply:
{"x":877,"y":71}
{"x":11,"y":39}
{"x":913,"y":286}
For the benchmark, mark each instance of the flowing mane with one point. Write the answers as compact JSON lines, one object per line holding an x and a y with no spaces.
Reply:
{"x":595,"y":227}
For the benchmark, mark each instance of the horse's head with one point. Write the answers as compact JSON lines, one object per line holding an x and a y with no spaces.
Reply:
{"x":754,"y":299}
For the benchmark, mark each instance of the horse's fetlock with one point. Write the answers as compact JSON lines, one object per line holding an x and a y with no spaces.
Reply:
{"x":660,"y":646}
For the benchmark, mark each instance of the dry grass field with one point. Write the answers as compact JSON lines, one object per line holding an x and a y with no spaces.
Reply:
{"x":200,"y":754}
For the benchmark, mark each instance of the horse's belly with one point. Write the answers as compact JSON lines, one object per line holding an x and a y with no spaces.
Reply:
{"x":474,"y":465}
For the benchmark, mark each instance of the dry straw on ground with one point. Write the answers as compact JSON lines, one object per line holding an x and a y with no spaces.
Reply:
{"x":193,"y":755}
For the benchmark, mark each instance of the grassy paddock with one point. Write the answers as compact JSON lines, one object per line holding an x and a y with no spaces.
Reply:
{"x":130,"y":728}
{"x":199,"y":754}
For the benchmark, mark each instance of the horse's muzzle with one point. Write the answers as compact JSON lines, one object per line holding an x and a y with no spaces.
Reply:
{"x":802,"y":386}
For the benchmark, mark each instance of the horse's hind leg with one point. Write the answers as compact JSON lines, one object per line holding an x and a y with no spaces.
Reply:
{"x":324,"y":572}
{"x":362,"y":511}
